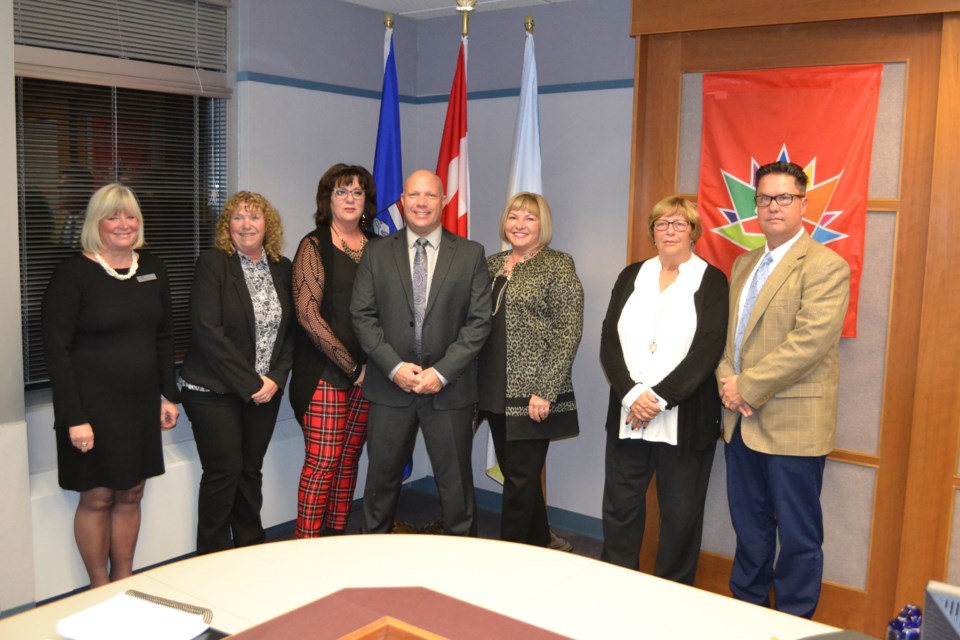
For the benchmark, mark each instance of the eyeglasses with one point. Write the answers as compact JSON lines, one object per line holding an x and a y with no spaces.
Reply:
{"x":784,"y":199}
{"x":341,"y":194}
{"x":678,"y":225}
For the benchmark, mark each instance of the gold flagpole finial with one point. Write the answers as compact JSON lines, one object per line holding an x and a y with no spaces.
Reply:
{"x":465,"y":7}
{"x":528,"y":24}
{"x":388,"y":20}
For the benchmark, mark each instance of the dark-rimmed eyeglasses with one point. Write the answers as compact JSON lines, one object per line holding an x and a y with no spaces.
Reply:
{"x":783,"y":199}
{"x":678,"y":225}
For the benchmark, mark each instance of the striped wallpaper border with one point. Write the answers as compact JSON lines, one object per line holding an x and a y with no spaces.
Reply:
{"x":312,"y":85}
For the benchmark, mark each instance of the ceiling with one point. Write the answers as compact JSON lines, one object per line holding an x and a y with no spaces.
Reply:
{"x":423,"y":9}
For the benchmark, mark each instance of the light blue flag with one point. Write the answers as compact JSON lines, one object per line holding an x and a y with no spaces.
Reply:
{"x":525,"y":169}
{"x":388,"y":163}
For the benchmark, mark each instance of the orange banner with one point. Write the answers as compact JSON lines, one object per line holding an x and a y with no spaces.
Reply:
{"x":821,"y":118}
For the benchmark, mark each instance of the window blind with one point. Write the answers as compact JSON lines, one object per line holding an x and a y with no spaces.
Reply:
{"x":74,"y":138}
{"x":190,"y":33}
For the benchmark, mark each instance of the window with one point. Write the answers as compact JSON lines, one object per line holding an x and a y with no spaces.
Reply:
{"x":132,"y":92}
{"x":73,"y":139}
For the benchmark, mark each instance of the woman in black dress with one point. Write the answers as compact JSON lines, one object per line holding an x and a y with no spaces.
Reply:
{"x":239,"y":358}
{"x":107,"y":333}
{"x":526,"y":390}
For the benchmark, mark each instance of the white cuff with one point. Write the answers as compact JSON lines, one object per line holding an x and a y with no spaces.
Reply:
{"x":632,"y":396}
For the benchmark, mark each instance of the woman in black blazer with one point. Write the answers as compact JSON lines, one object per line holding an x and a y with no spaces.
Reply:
{"x":662,"y":338}
{"x":240,"y":355}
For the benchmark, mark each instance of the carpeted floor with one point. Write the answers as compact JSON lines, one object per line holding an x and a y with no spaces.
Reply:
{"x":419,"y":510}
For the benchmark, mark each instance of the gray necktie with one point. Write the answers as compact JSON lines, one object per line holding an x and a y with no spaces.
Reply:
{"x":759,"y":277}
{"x":419,"y":291}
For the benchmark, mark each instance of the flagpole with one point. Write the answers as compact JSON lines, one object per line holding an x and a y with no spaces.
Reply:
{"x":466,"y":7}
{"x":528,"y":24}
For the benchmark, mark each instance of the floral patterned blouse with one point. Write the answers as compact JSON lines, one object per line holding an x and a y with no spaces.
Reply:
{"x":266,"y":308}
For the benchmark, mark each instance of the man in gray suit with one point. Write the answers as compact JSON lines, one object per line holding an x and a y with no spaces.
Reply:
{"x":421,"y":311}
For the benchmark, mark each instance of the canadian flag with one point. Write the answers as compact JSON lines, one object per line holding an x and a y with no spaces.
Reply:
{"x":452,"y":166}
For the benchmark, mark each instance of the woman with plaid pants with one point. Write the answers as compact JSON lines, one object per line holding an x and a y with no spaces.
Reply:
{"x":328,"y":364}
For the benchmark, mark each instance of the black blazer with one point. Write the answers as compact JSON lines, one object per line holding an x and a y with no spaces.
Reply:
{"x":455,"y":325}
{"x":222,"y":348}
{"x":691,"y":385}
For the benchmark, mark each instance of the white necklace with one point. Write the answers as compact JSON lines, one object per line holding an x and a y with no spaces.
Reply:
{"x":113,"y":272}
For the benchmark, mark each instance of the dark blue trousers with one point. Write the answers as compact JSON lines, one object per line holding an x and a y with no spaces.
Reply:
{"x":770,"y":496}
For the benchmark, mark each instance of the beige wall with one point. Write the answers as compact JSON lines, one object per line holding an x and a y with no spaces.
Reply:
{"x":16,"y":577}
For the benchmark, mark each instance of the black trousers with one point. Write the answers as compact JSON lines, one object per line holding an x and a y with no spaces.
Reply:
{"x":232,"y":438}
{"x":523,"y":516}
{"x":681,"y":493}
{"x":391,"y":437}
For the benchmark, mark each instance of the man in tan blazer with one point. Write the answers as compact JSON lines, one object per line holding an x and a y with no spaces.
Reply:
{"x":778,"y":383}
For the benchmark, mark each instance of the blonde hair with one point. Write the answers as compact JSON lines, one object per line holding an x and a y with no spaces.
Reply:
{"x":106,"y":201}
{"x":676,"y":204}
{"x":273,"y":235}
{"x":532,"y":203}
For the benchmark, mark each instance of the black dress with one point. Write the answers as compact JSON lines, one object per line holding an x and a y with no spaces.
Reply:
{"x":109,"y":349}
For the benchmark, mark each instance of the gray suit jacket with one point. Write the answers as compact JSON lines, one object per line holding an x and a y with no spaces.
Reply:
{"x":456,"y":324}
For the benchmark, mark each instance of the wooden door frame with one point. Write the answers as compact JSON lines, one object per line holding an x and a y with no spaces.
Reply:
{"x":918,"y":444}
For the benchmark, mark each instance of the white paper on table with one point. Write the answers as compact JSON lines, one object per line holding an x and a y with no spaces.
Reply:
{"x":123,"y":616}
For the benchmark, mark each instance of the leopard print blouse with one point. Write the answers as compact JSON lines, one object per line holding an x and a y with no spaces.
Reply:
{"x":544,"y":318}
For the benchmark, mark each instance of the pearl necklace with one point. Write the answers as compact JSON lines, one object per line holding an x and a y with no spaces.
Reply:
{"x":113,"y":272}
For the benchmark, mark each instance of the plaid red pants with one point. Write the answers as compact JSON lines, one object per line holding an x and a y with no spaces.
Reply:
{"x":334,"y":430}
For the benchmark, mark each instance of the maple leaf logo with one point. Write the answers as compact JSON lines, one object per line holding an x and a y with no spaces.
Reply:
{"x":743,"y":228}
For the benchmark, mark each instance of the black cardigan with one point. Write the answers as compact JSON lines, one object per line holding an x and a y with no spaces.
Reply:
{"x":691,"y":385}
{"x":310,"y":365}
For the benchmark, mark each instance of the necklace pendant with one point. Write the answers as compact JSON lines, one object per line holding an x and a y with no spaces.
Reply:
{"x":653,"y":347}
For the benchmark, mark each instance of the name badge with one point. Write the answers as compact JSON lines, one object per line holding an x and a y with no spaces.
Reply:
{"x":147,"y":277}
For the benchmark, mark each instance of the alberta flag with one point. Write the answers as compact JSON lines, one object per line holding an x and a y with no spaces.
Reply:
{"x":387,"y":163}
{"x":821,"y":118}
{"x":452,"y":165}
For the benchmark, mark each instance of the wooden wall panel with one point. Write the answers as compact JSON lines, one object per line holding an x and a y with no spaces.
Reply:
{"x":673,"y":16}
{"x":918,"y":393}
{"x":936,"y":410}
{"x":656,"y":161}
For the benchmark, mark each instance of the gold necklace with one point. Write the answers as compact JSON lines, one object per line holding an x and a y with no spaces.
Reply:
{"x":354,"y":254}
{"x":508,"y":270}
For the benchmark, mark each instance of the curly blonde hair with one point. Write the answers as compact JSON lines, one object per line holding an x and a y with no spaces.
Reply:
{"x":273,"y":236}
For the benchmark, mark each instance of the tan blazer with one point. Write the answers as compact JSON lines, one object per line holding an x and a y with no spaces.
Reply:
{"x":790,"y":370}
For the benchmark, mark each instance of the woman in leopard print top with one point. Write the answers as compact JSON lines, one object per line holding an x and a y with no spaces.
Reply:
{"x":526,"y":391}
